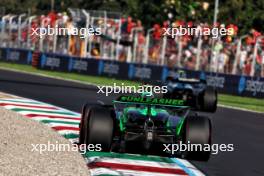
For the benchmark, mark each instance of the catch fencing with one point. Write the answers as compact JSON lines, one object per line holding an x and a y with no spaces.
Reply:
{"x":118,"y":42}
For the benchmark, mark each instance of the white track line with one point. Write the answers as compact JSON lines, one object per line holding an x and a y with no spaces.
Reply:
{"x":240,"y":109}
{"x":40,"y":118}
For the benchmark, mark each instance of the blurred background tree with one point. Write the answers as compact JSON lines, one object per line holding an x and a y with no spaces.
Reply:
{"x":244,"y":13}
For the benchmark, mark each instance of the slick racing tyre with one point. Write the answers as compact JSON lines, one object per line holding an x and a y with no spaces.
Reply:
{"x":209,"y":100}
{"x":97,"y":127}
{"x":85,"y":109}
{"x":197,"y":130}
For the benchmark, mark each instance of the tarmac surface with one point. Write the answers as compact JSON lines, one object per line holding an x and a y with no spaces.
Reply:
{"x":242,"y":129}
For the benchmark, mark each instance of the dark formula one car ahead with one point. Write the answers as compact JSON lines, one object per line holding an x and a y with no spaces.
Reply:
{"x":194,"y":91}
{"x":146,"y":124}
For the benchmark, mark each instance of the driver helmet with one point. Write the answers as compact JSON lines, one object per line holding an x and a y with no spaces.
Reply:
{"x":147,"y":95}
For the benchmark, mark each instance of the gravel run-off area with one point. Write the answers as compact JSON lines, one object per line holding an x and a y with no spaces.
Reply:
{"x":18,"y":134}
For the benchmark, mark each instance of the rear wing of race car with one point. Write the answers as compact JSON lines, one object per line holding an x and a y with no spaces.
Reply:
{"x":187,"y":80}
{"x":177,"y":103}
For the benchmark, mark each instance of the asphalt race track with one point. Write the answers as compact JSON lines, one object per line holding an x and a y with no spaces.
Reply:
{"x":243,"y":129}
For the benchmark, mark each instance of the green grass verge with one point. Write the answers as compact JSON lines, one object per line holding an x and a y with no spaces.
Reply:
{"x":98,"y":80}
{"x":242,"y":102}
{"x":228,"y":100}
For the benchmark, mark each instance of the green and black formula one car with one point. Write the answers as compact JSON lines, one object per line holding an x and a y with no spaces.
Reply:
{"x":147,"y":124}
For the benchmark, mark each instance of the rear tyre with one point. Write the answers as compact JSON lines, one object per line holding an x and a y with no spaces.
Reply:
{"x":209,"y":100}
{"x":84,"y":117}
{"x":98,"y":127}
{"x":197,"y":130}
